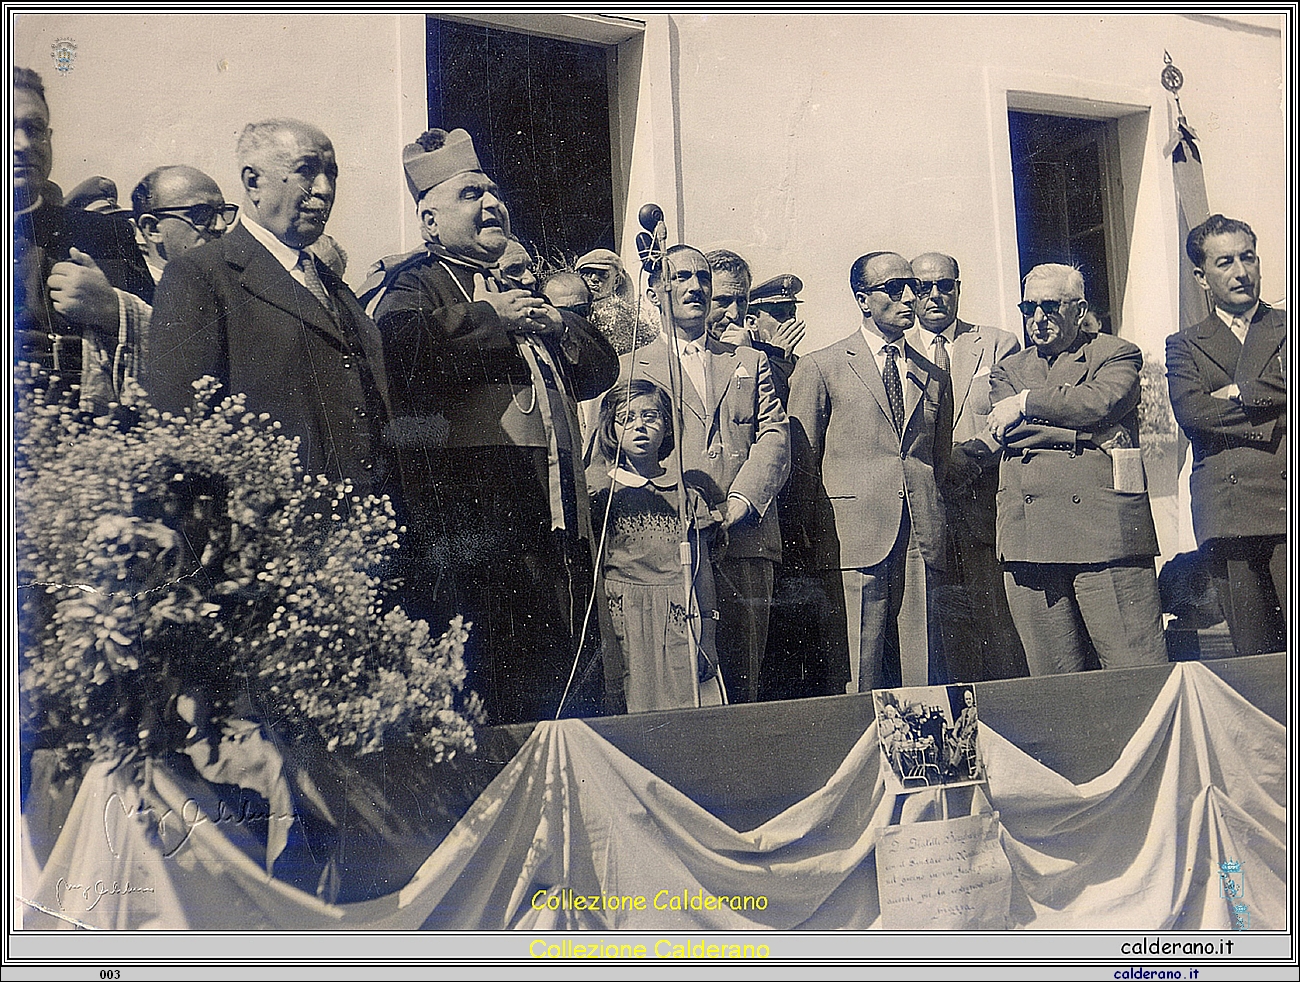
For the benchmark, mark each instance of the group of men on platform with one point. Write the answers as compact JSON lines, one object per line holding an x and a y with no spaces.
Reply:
{"x":950,"y":506}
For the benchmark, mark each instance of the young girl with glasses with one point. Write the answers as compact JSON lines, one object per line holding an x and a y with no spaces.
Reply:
{"x":644,"y":582}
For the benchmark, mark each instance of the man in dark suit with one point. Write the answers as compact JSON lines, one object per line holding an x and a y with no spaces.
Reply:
{"x":483,"y":375}
{"x":1227,"y":383}
{"x":873,"y":427}
{"x":1074,"y":521}
{"x":79,"y":279}
{"x":735,"y":447}
{"x":979,"y":638}
{"x":258,"y":312}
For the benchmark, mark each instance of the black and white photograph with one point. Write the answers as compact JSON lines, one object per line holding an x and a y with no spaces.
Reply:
{"x":537,"y":484}
{"x":929,"y":737}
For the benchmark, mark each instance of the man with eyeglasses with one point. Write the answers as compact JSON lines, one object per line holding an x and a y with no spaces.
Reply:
{"x":979,"y":638}
{"x":178,"y":208}
{"x":872,"y":431}
{"x":1074,"y":522}
{"x":79,"y":280}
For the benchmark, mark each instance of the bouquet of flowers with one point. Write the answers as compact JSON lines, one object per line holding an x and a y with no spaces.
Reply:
{"x":176,"y":572}
{"x":1157,"y":429}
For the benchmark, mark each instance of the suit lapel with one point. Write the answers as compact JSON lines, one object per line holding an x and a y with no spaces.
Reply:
{"x":652,"y":364}
{"x":722,"y":366}
{"x":967,"y":357}
{"x":1070,"y":367}
{"x":358,"y":324}
{"x":863,"y":364}
{"x":1267,"y":331}
{"x":264,"y":277}
{"x":1218,"y":343}
{"x":916,"y":378}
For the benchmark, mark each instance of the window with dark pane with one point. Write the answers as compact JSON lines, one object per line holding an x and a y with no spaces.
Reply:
{"x":1063,"y":172}
{"x":538,"y":110}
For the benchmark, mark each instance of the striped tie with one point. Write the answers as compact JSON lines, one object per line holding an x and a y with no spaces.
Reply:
{"x":311,"y":280}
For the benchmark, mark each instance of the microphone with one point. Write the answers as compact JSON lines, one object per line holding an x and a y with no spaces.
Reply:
{"x":648,"y":251}
{"x":650,"y":216}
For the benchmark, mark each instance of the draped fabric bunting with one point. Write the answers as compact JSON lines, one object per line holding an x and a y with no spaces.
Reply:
{"x":1137,"y":848}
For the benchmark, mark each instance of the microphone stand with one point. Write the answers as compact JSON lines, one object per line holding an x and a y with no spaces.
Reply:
{"x":694,"y":622}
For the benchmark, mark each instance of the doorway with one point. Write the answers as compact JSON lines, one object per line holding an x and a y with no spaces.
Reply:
{"x":1069,"y":202}
{"x":538,"y":109}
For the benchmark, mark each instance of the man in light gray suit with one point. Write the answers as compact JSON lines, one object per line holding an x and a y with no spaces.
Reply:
{"x":735,"y":445}
{"x":872,"y":427}
{"x":979,"y":638}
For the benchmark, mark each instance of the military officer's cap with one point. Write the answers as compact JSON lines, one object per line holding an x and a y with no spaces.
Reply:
{"x":783,"y":288}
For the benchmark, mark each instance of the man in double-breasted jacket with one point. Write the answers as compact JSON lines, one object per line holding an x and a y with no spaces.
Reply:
{"x":1228,"y":390}
{"x":1074,"y":520}
{"x":868,"y":462}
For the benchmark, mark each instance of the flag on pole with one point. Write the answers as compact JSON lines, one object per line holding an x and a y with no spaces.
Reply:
{"x":1193,"y":205}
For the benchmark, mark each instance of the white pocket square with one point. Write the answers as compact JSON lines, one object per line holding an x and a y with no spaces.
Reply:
{"x":743,"y":372}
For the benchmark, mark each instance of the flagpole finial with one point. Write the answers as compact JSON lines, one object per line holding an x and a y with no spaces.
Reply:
{"x":1171,"y":78}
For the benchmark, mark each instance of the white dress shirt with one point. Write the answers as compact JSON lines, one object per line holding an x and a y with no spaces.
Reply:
{"x":1238,"y":324}
{"x":286,"y":256}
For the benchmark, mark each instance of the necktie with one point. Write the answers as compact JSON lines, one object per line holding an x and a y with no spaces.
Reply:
{"x":1239,"y":327}
{"x":941,"y":353}
{"x":693,"y":364}
{"x":893,"y":387}
{"x":311,"y":280}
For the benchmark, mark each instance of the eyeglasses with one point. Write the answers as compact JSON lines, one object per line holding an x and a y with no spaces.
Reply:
{"x":581,"y":309}
{"x":202,"y":216}
{"x":1050,"y":307}
{"x":894,"y":288}
{"x":923,"y":287}
{"x":648,"y":416}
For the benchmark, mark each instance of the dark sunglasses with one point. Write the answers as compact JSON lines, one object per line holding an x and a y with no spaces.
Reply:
{"x":923,"y":287}
{"x":202,"y":216}
{"x":1050,"y":307}
{"x":894,"y":288}
{"x":581,"y":309}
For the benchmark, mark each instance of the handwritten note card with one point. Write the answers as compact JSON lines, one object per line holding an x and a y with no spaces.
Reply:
{"x":944,"y":876}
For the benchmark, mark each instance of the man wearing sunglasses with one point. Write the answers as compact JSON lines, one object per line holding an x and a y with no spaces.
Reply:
{"x":979,"y":637}
{"x":1074,"y":522}
{"x":872,"y":431}
{"x":176,"y":209}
